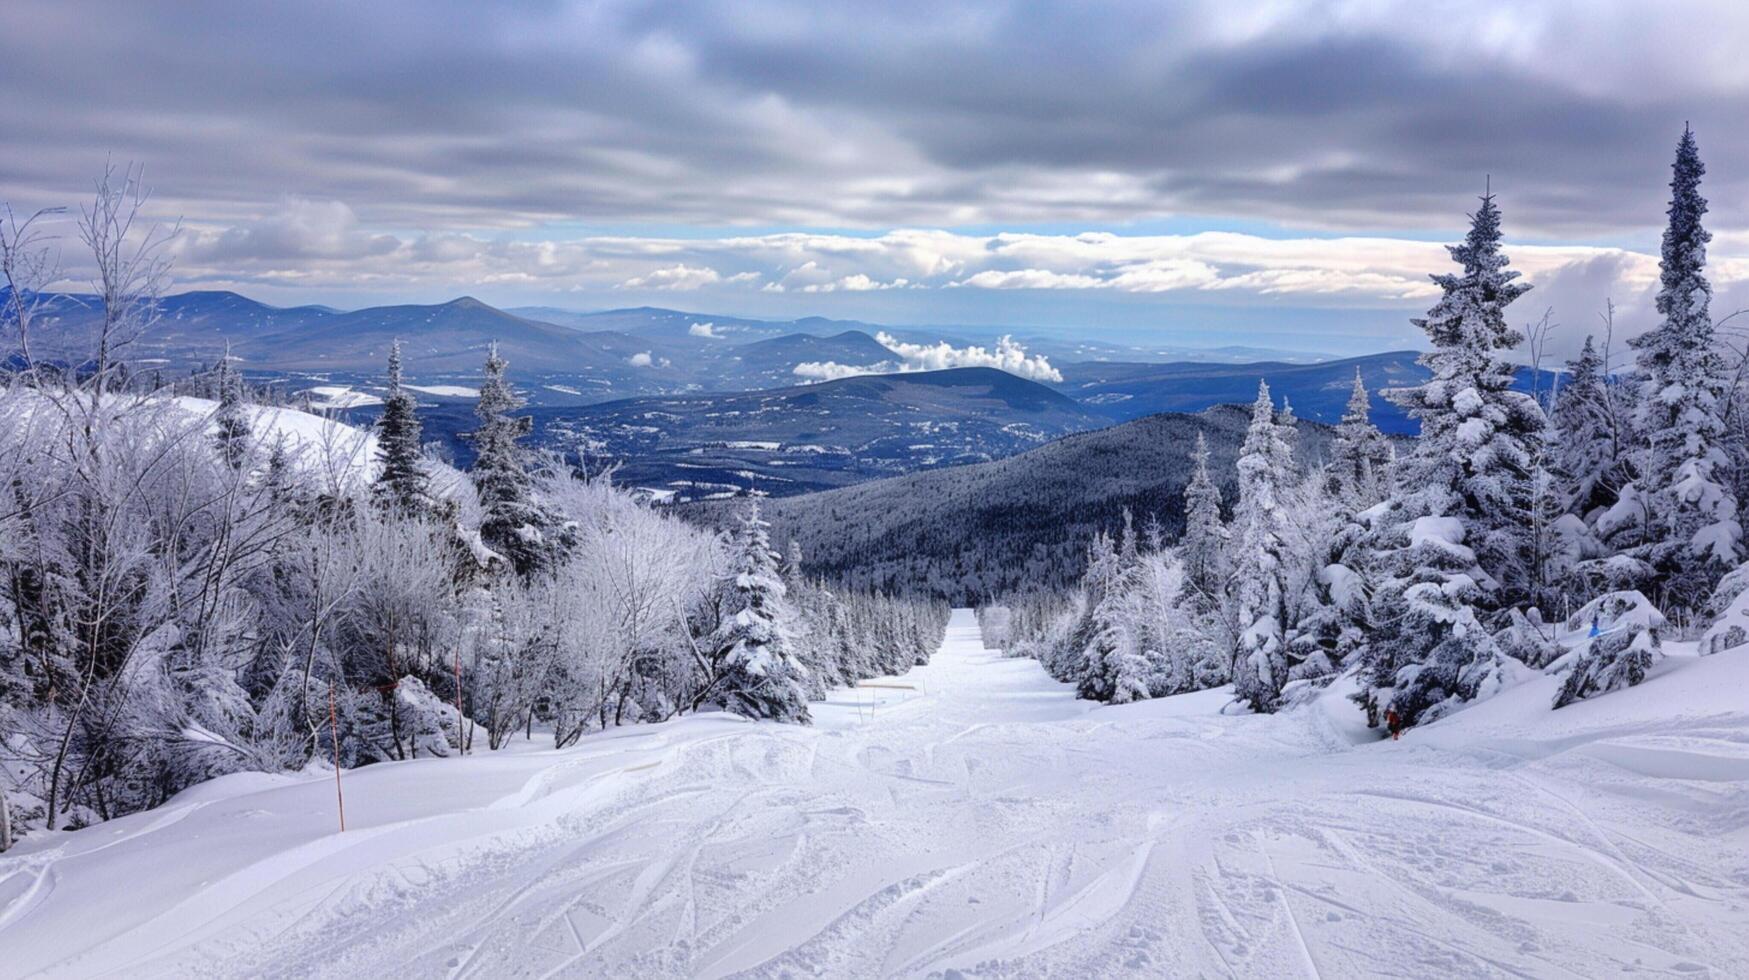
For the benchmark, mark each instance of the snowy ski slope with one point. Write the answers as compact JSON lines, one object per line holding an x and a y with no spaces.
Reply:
{"x":984,"y":821}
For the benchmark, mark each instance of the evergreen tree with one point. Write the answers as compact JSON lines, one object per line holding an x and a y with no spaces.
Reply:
{"x":1288,"y":425}
{"x":1359,"y":455}
{"x":1204,"y":540}
{"x":232,"y":419}
{"x":1455,"y":547}
{"x":402,"y":485}
{"x":760,"y":674}
{"x":1259,"y":583}
{"x":1113,"y":668}
{"x":514,"y":522}
{"x":1678,"y":516}
{"x":1586,"y":452}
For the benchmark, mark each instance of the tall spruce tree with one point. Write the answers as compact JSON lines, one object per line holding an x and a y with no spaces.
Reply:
{"x":514,"y":523}
{"x":403,"y":485}
{"x":1201,"y":546}
{"x":760,"y":674}
{"x":1259,"y":559}
{"x":1453,"y":550}
{"x":1359,"y":454}
{"x":1679,"y":516}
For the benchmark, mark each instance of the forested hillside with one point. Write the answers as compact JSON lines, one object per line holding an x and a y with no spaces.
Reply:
{"x":192,"y":588}
{"x":1012,"y":524}
{"x":1569,"y":531}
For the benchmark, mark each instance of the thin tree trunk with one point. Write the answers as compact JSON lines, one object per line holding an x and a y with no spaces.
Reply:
{"x":461,"y":721}
{"x":334,"y":736}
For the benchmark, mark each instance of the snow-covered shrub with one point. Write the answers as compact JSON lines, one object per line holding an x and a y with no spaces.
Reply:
{"x":1616,"y":611}
{"x":1528,"y":639}
{"x":1728,"y":613}
{"x":1624,"y":630}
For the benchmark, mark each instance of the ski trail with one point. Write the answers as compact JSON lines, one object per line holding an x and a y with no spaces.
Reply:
{"x":994,"y":826}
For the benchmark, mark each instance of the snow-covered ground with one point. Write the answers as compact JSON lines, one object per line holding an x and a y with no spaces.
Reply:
{"x":984,"y":821}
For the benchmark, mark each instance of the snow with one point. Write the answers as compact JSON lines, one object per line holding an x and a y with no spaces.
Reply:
{"x":312,"y":438}
{"x":333,"y":447}
{"x":448,"y":391}
{"x":974,"y":817}
{"x":332,"y":397}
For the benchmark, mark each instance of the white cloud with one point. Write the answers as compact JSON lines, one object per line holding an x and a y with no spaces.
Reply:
{"x":832,"y":370}
{"x":319,"y":246}
{"x":1010,"y":355}
{"x":854,"y":283}
{"x":704,"y":330}
{"x":677,"y":278}
{"x":641,"y":359}
{"x":1028,"y":279}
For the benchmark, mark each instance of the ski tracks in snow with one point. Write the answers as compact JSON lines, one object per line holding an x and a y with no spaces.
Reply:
{"x":994,"y":826}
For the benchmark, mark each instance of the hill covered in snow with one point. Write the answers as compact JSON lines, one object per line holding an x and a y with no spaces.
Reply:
{"x":968,"y":818}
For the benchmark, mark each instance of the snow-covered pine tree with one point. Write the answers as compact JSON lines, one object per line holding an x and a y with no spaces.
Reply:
{"x":233,"y":432}
{"x":1587,"y":452}
{"x":1289,"y":426}
{"x":760,"y":675}
{"x":1113,"y":668}
{"x":1203,"y":543}
{"x":1265,"y":461}
{"x":1359,"y":454}
{"x":1070,"y":661}
{"x":403,"y":485}
{"x":1679,"y":516}
{"x":1453,"y":548}
{"x":513,"y":522}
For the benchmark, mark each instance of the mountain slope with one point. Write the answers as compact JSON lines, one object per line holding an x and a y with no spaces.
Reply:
{"x":446,"y":337}
{"x":973,"y":818}
{"x":799,"y":438}
{"x":988,"y":528}
{"x":1123,"y":390}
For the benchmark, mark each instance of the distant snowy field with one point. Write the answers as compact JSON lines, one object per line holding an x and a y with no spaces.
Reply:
{"x":983,"y":822}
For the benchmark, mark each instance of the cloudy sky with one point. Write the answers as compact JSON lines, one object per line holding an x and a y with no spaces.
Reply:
{"x":1192,"y":173}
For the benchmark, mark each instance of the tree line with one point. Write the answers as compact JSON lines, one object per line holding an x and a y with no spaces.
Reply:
{"x":191,"y":587}
{"x":1557,"y":531}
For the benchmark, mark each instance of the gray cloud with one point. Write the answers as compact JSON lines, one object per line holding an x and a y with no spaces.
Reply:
{"x":607,"y":151}
{"x":440,"y":115}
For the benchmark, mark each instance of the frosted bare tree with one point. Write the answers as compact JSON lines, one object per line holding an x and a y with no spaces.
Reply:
{"x":131,"y":267}
{"x":28,"y":265}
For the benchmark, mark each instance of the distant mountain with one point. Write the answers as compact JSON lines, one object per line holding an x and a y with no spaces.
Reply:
{"x":794,"y":439}
{"x":1128,"y":390}
{"x":1073,"y":348}
{"x":791,"y":440}
{"x":1024,"y":521}
{"x":650,"y":321}
{"x":588,"y":357}
{"x":765,"y":363}
{"x":202,"y":321}
{"x":450,"y":336}
{"x":653,"y":322}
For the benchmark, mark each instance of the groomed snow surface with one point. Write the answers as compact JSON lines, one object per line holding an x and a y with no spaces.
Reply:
{"x":985,"y":822}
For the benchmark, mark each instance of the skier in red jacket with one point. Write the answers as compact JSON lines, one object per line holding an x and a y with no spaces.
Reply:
{"x":1394,"y":722}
